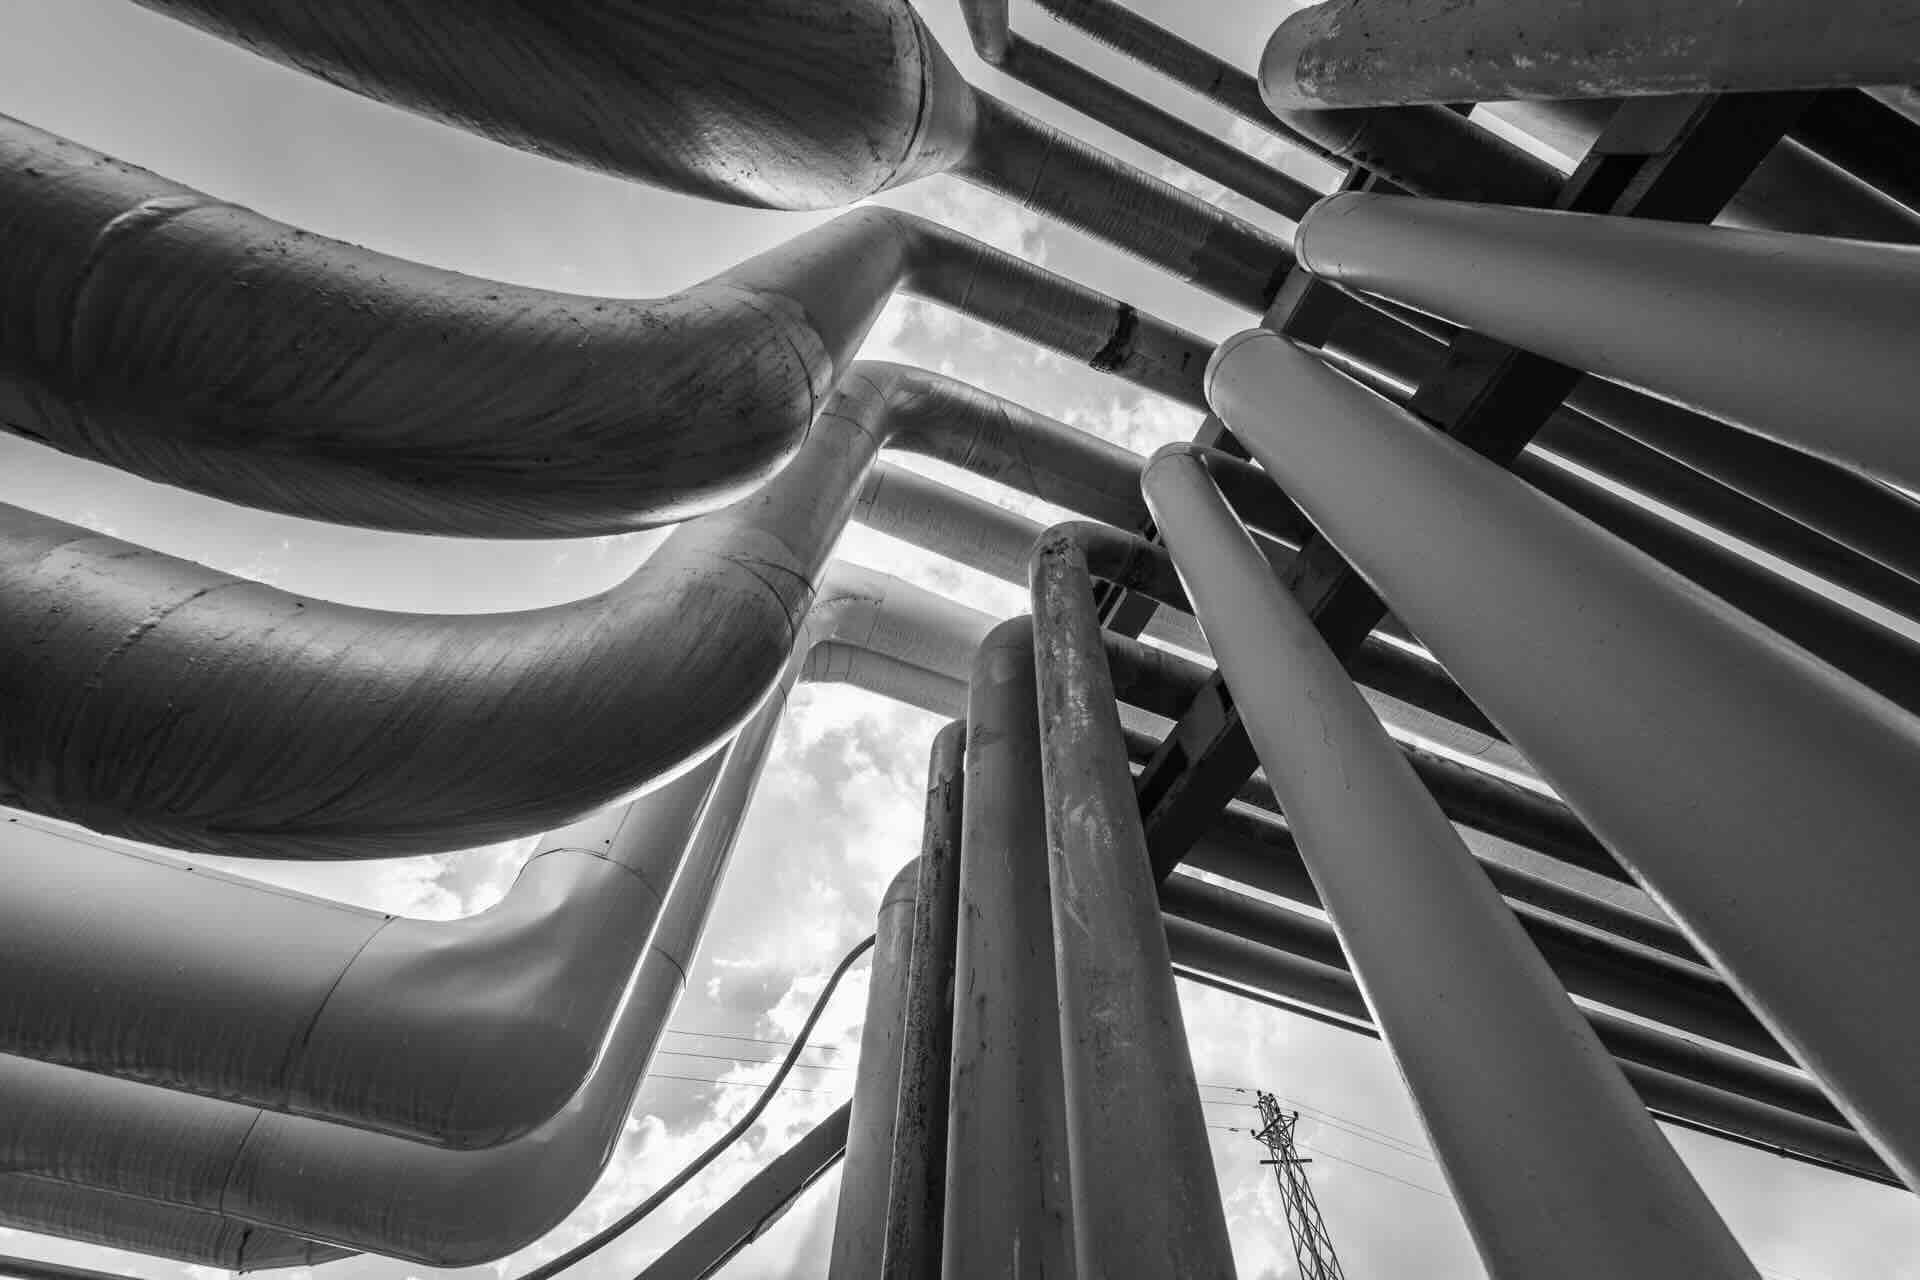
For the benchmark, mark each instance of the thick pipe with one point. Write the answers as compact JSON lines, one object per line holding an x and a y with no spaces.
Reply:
{"x":1553,"y":1160}
{"x":756,"y":1206}
{"x":1755,"y":328}
{"x":916,"y":1178}
{"x":747,"y":103}
{"x":1007,"y":1196}
{"x":136,"y":966}
{"x":1330,"y":995}
{"x":1376,"y":53}
{"x":199,"y":1238}
{"x":1663,"y":728}
{"x":1145,"y":1197}
{"x":860,"y":1224}
{"x":345,"y":385}
{"x":372,"y":1191}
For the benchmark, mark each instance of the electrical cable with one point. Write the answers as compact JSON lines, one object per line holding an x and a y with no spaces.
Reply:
{"x":633,"y":1217}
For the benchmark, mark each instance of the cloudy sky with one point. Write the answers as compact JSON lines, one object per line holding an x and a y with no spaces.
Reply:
{"x":838,"y":810}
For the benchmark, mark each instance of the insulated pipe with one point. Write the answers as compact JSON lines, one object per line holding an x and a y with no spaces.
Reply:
{"x":1373,"y":53}
{"x":1007,"y":1195}
{"x":1666,"y":728}
{"x":122,"y":1222}
{"x":1324,"y":991}
{"x":1145,"y":1198}
{"x":371,"y":1191}
{"x":762,"y":102}
{"x":470,"y":729}
{"x":137,"y":966}
{"x":1555,"y":1165}
{"x":749,"y":1212}
{"x":345,"y":385}
{"x":1756,"y":328}
{"x":860,"y":1224}
{"x":916,"y":1178}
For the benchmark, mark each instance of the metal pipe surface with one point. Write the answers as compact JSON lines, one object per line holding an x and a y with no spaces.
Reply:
{"x":1554,"y":1163}
{"x":1145,"y":1197}
{"x":1755,"y":328}
{"x":1668,"y":727}
{"x":860,"y":1224}
{"x":1373,"y":53}
{"x":916,"y":1179}
{"x":140,"y":967}
{"x":202,"y":1239}
{"x":366,"y":1190}
{"x":1007,"y":1195}
{"x":749,"y":1212}
{"x":345,"y":385}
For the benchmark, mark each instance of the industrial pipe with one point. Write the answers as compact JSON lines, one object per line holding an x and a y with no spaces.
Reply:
{"x":860,"y":1223}
{"x":1329,"y":994}
{"x":775,"y":103}
{"x":201,"y":1239}
{"x":345,"y":385}
{"x":916,"y":1179}
{"x":137,"y":966}
{"x":1755,"y":328}
{"x":366,"y":1190}
{"x":153,"y":698}
{"x":756,"y":1206}
{"x":1007,"y":1207}
{"x":1658,"y":712}
{"x":1374,"y":53}
{"x":1554,"y":1163}
{"x":1145,"y":1198}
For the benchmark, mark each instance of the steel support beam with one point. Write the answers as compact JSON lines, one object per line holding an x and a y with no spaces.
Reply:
{"x":1380,"y":53}
{"x":860,"y":1223}
{"x":1759,"y":329}
{"x":756,"y":1206}
{"x":916,"y":1182}
{"x":1553,"y":1160}
{"x":1145,"y":1198}
{"x":1007,"y":1197}
{"x":1663,"y":716}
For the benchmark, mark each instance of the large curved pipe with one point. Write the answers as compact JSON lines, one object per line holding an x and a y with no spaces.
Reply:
{"x":136,"y":966}
{"x":193,"y":1236}
{"x":159,"y":330}
{"x":786,"y":103}
{"x":152,"y":698}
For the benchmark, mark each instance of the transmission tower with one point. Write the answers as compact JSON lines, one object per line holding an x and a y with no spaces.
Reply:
{"x":1312,"y":1246}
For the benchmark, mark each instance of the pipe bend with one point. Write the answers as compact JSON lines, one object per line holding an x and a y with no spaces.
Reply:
{"x":780,"y":104}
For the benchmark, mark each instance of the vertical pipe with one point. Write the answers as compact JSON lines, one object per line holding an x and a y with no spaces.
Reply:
{"x":916,"y":1184}
{"x":1555,"y":1164}
{"x":1007,"y":1195}
{"x":1801,"y":339}
{"x":1765,"y":800}
{"x":860,"y":1225}
{"x":1145,"y":1199}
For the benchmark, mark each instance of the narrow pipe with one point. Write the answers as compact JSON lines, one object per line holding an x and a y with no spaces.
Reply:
{"x":1577,"y":1182}
{"x":1145,"y":1197}
{"x":345,"y":385}
{"x":1007,"y":1196}
{"x":199,"y":1238}
{"x":1374,"y":53}
{"x":1755,"y":328}
{"x":860,"y":1224}
{"x":1331,"y":995}
{"x":1664,"y":727}
{"x":748,"y":1213}
{"x":371,"y":1191}
{"x":147,"y":969}
{"x":1868,"y":139}
{"x":916,"y":1178}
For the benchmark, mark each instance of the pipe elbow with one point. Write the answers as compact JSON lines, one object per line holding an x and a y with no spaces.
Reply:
{"x":1288,"y":66}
